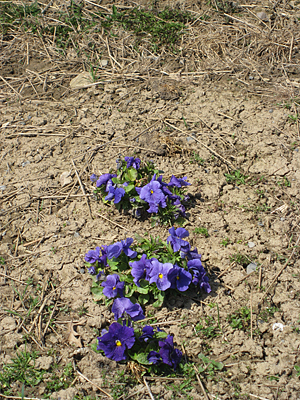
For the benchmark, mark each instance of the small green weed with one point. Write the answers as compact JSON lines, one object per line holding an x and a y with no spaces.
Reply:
{"x":122,"y":383}
{"x":20,"y":369}
{"x":240,"y":319}
{"x":268,"y":313}
{"x":201,"y":231}
{"x":209,"y":366}
{"x":284,"y":182}
{"x":209,"y":327}
{"x":236,"y":177}
{"x":293,"y":118}
{"x":196,"y":159}
{"x":273,"y":378}
{"x":225,"y":242}
{"x":297,"y":369}
{"x":260,"y":193}
{"x":165,"y":27}
{"x":59,"y":380}
{"x":240,"y":259}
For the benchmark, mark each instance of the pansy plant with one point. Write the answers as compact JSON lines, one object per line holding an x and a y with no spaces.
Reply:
{"x":146,"y":271}
{"x":137,"y":187}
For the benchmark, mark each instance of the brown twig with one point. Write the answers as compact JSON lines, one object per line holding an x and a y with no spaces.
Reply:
{"x":82,"y":189}
{"x":92,"y":383}
{"x":112,"y":222}
{"x":281,"y":270}
{"x":148,"y":388}
{"x":200,"y":384}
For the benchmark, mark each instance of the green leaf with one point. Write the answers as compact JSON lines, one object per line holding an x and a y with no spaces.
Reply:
{"x":142,"y":290}
{"x":161,"y":335}
{"x":129,"y":188}
{"x":143,"y":299}
{"x":131,"y":174}
{"x":97,"y":293}
{"x":141,"y":358}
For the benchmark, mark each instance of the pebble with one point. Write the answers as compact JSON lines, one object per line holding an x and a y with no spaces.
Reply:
{"x":251,"y":78}
{"x":76,"y":235}
{"x":251,"y":267}
{"x":263,"y":16}
{"x":260,"y":224}
{"x":251,"y":245}
{"x":271,"y":110}
{"x":190,"y":139}
{"x":25,"y":163}
{"x":82,"y":271}
{"x":282,"y":219}
{"x":3,"y":187}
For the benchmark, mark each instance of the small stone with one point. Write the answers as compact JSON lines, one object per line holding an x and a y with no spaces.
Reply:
{"x":82,"y":271}
{"x":251,"y":267}
{"x":25,"y":163}
{"x":271,"y":110}
{"x":104,"y":63}
{"x":282,"y":219}
{"x":81,"y":81}
{"x":251,"y":78}
{"x":76,"y":235}
{"x":261,"y":224}
{"x":190,"y":139}
{"x":263,"y":16}
{"x":65,"y":178}
{"x":251,"y":245}
{"x":3,"y":187}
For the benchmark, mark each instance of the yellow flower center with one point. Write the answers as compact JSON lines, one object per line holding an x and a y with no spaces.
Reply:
{"x":177,"y":277}
{"x":151,"y":191}
{"x":160,"y":276}
{"x":114,"y":288}
{"x":118,"y":343}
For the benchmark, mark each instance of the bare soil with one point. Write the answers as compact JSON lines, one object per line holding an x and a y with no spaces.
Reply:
{"x":216,"y":99}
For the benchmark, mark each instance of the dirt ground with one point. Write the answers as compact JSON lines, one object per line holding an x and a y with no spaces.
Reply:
{"x":213,"y":108}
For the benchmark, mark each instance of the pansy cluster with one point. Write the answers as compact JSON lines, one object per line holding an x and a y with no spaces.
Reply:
{"x":125,"y":338}
{"x":138,"y":187}
{"x":132,"y":275}
{"x":149,"y":268}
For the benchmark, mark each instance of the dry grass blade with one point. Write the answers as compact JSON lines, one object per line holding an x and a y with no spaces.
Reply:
{"x":112,"y":222}
{"x":92,"y":383}
{"x":82,"y":189}
{"x":282,"y":269}
{"x":201,"y":385}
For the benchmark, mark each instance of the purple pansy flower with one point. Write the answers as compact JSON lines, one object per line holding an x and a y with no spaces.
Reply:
{"x":154,"y":357}
{"x":126,"y":248}
{"x":176,"y":239}
{"x":133,"y":162}
{"x":153,"y":195}
{"x":113,"y":286}
{"x":93,"y":177}
{"x":180,"y":207}
{"x":147,"y":334}
{"x":140,"y":269}
{"x":114,"y":250}
{"x":116,"y":341}
{"x":180,"y":278}
{"x":103,"y":179}
{"x":116,"y":193}
{"x":98,"y":276}
{"x":159,"y":274}
{"x":178,"y":182}
{"x":92,"y":255}
{"x":199,"y":274}
{"x":169,"y":355}
{"x":124,"y":305}
{"x":92,"y":270}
